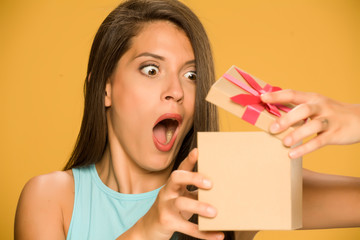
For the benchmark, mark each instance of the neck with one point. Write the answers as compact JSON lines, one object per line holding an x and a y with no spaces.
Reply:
{"x":121,"y":174}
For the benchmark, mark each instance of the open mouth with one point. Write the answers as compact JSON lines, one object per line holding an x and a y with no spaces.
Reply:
{"x":165,"y":131}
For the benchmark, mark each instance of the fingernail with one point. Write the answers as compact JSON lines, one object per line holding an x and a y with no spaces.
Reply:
{"x":264,"y":96}
{"x":211,"y":211}
{"x":207,"y":183}
{"x":287,"y":141}
{"x":293,"y":154}
{"x":274,"y":128}
{"x":220,"y":236}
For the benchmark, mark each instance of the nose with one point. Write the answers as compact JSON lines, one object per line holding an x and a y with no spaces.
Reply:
{"x":173,"y":90}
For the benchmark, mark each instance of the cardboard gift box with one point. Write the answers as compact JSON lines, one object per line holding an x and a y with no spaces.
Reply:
{"x":256,"y":185}
{"x":239,"y":93}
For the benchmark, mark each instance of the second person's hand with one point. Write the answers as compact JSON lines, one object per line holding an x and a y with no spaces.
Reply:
{"x":332,"y":122}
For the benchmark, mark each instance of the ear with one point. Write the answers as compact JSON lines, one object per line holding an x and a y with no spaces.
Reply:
{"x":108,"y":94}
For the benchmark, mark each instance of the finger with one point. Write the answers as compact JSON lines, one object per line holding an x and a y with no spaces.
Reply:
{"x":180,"y":179}
{"x":310,"y":128}
{"x":315,"y":143}
{"x":195,"y":207}
{"x":188,"y":163}
{"x":300,"y":112}
{"x":192,"y":229}
{"x":287,"y":96}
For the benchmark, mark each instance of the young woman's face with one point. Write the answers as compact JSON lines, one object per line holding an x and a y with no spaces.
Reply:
{"x":151,"y":96}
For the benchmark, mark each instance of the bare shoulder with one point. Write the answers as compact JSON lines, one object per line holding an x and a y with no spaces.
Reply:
{"x":49,"y":182}
{"x":44,"y":206}
{"x":51,"y":186}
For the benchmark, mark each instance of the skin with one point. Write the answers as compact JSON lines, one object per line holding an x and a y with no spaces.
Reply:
{"x":132,"y":164}
{"x":332,"y":122}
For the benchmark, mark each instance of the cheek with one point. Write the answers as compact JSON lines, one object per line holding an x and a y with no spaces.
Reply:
{"x":125,"y":98}
{"x":123,"y":107}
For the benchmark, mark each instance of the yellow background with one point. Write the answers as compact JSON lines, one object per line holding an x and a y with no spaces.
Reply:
{"x":44,"y":45}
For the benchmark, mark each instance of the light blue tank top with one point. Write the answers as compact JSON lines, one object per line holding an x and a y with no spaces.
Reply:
{"x":102,"y":213}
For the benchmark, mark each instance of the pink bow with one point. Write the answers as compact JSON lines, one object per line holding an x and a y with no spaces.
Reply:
{"x":253,"y":100}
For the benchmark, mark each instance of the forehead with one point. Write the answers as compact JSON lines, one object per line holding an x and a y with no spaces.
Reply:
{"x":161,"y":36}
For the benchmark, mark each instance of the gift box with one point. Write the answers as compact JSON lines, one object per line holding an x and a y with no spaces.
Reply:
{"x":256,"y":186}
{"x":239,"y":93}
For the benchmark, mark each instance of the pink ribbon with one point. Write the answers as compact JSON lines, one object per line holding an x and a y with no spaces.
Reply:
{"x":253,"y":101}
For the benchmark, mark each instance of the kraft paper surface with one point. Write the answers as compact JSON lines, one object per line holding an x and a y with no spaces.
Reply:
{"x":256,"y":185}
{"x":221,"y":92}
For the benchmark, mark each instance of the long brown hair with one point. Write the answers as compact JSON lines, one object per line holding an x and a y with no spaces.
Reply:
{"x":111,"y":41}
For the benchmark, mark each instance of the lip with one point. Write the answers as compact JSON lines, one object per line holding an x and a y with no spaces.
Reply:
{"x":165,"y":148}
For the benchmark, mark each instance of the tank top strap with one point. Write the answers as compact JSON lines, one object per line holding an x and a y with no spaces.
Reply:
{"x":82,"y":181}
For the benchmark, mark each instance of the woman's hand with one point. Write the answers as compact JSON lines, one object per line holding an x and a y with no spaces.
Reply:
{"x":333,"y":122}
{"x":175,"y":205}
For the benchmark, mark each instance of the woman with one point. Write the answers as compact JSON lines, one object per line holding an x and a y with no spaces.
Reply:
{"x":149,"y":70}
{"x":148,"y":61}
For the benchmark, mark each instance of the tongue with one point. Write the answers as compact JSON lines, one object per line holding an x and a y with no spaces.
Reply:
{"x":160,"y":133}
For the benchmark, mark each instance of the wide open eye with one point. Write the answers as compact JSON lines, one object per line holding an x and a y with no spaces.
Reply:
{"x":150,"y":70}
{"x":191,"y":75}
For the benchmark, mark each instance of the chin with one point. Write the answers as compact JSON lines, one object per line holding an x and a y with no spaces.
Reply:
{"x":159,"y":168}
{"x":160,"y":163}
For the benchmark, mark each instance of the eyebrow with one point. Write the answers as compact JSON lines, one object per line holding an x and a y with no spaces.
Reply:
{"x":190,"y":62}
{"x":148,"y":54}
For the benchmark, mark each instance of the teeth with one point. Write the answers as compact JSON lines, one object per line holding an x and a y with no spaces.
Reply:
{"x":169,"y":134}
